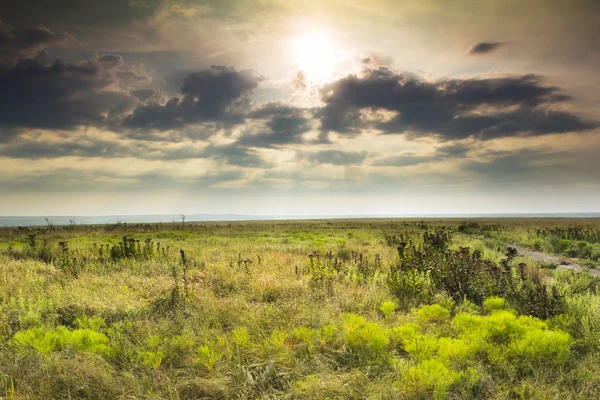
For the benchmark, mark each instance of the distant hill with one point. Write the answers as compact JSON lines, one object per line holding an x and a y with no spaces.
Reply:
{"x":111,"y":219}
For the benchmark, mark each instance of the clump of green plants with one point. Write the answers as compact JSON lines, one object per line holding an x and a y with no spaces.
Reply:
{"x":366,"y":340}
{"x":433,"y":313}
{"x":387,"y":308}
{"x":49,"y":340}
{"x":433,"y":379}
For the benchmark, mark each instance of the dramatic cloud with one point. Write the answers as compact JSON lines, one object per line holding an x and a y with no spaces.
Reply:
{"x":145,"y":111}
{"x":216,"y":94}
{"x":78,"y":12}
{"x":337,"y":157}
{"x":442,"y":153}
{"x":451,"y":109}
{"x":485,"y":47}
{"x":16,"y":44}
{"x":62,"y":95}
{"x":538,"y":166}
{"x":236,"y":155}
{"x":73,"y":180}
{"x":405,"y":160}
{"x":284,"y":125}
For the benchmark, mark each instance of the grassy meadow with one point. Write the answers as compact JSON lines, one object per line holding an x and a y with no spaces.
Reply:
{"x":328,"y":309}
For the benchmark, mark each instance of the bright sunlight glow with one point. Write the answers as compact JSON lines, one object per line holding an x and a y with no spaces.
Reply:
{"x":315,"y":54}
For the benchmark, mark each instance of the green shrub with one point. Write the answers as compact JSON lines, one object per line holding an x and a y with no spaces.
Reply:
{"x":277,"y":338}
{"x":388,"y":308}
{"x":405,"y":331}
{"x":305,"y":339}
{"x":433,"y":313}
{"x":328,"y":334}
{"x":421,"y":347}
{"x":541,"y":346}
{"x":40,"y":339}
{"x":456,"y":350}
{"x":467,"y":307}
{"x":241,"y":337}
{"x":95,"y":322}
{"x":207,"y":356}
{"x":49,"y":340}
{"x":368,"y":340}
{"x":150,"y":359}
{"x":433,"y":379}
{"x":444,"y":300}
{"x":494,"y":303}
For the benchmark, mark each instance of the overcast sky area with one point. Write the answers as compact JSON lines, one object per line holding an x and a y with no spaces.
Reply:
{"x":313,"y":107}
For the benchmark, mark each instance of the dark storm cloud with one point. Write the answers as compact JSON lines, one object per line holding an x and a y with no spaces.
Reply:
{"x":233,"y":154}
{"x":97,"y":147}
{"x":452,"y":151}
{"x":452,"y":108}
{"x":88,"y":149}
{"x":405,"y":160}
{"x":485,"y":47}
{"x":77,"y":12}
{"x":18,"y":43}
{"x":145,"y":94}
{"x":337,"y":157}
{"x":62,"y":95}
{"x":285,"y":125}
{"x":74,"y":180}
{"x":86,"y":17}
{"x":216,"y":94}
{"x":535,"y":165}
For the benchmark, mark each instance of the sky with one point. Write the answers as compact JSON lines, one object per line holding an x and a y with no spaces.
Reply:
{"x":272,"y":107}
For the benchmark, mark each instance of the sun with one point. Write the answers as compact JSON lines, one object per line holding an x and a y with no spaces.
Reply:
{"x":315,"y":53}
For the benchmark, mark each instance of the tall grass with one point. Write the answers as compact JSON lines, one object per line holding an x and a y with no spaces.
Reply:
{"x":310,"y":309}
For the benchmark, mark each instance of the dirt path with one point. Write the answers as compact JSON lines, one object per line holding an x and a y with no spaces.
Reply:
{"x":562,"y":262}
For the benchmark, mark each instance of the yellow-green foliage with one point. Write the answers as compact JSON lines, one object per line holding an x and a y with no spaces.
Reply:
{"x":241,"y":337}
{"x":208,"y":357}
{"x":49,"y":340}
{"x":94,"y":323}
{"x":494,"y":303}
{"x":366,"y":339}
{"x":388,"y":308}
{"x":522,"y":339}
{"x":328,"y":333}
{"x":150,"y":359}
{"x":433,"y":313}
{"x":277,"y":338}
{"x":421,"y":347}
{"x":434,"y":379}
{"x":406,"y":331}
{"x":540,"y":346}
{"x":305,"y":339}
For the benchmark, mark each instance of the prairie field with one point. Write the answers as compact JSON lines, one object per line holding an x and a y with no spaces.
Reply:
{"x":319,"y":309}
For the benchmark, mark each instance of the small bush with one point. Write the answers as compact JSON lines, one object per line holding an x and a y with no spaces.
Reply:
{"x":368,"y":340}
{"x":456,"y":350}
{"x":406,"y":331}
{"x":241,"y":337}
{"x":433,"y":313}
{"x":421,"y":347}
{"x":150,"y":359}
{"x":95,"y":322}
{"x":46,"y":341}
{"x":494,"y":303}
{"x":208,"y":357}
{"x":467,"y":307}
{"x":541,"y":346}
{"x":432,"y":378}
{"x":388,"y":308}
